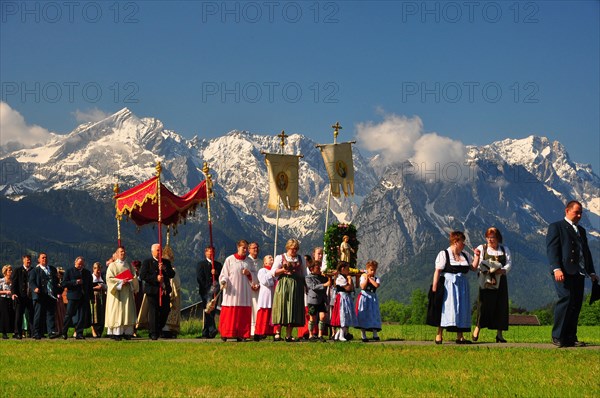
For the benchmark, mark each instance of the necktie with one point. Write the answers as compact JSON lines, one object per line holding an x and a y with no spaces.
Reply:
{"x":580,"y":244}
{"x":49,"y":284}
{"x":27,"y":289}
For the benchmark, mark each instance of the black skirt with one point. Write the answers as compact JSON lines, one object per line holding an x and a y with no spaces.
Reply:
{"x":7,"y":315}
{"x":492,"y":307}
{"x":436,"y":301}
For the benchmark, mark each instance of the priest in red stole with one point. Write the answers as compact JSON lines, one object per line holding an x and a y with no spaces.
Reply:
{"x":238,"y":277}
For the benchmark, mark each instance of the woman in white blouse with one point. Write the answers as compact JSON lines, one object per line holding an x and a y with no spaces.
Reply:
{"x":454,"y":264}
{"x":492,"y":305}
{"x":288,"y":299}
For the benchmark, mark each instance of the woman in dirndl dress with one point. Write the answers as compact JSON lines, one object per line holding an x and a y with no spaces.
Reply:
{"x":288,"y":300}
{"x":7,"y":313}
{"x":492,"y":303}
{"x":454,"y":264}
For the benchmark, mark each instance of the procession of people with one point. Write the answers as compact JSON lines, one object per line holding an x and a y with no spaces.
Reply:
{"x":246,"y":298}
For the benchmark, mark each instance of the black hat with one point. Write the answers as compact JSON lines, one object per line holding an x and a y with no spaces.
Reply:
{"x":595,"y":292}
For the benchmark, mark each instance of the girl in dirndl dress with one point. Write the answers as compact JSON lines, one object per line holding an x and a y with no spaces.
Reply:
{"x":343,"y":315}
{"x":367,"y":305}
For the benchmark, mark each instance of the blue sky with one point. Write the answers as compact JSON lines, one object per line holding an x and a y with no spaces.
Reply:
{"x":475,"y":72}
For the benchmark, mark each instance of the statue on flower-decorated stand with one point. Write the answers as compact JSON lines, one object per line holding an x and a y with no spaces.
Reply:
{"x":341,"y":245}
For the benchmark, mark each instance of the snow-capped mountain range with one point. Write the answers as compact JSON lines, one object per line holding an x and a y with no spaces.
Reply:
{"x":402,"y":211}
{"x":125,"y":149}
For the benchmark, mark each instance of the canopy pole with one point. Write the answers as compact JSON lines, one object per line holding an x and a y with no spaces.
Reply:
{"x":336,"y":130}
{"x":209,"y":192}
{"x":158,"y":186}
{"x":282,"y":136}
{"x":117,"y":216}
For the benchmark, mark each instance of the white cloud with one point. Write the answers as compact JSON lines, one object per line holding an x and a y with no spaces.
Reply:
{"x":393,"y":138}
{"x":14,"y":130}
{"x":400,"y":138}
{"x":91,"y":115}
{"x":440,"y":158}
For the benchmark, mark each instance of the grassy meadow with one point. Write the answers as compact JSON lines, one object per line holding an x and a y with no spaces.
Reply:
{"x":193,"y":367}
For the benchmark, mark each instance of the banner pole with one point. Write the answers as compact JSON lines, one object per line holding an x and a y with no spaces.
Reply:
{"x":158,"y":186}
{"x":276,"y":229}
{"x":336,"y":130}
{"x":282,"y":136}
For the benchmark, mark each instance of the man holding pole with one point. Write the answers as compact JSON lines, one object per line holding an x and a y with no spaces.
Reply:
{"x":207,"y":274}
{"x":156,"y":275}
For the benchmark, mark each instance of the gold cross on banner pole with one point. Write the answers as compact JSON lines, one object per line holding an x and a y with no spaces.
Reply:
{"x":336,"y":130}
{"x":283,"y":136}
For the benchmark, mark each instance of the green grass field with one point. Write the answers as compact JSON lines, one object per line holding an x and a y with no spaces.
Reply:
{"x":186,"y":367}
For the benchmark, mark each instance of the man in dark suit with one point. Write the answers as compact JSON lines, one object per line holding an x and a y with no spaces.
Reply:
{"x":157,"y":286}
{"x":22,"y":296}
{"x":78,"y":282}
{"x":570,"y":261}
{"x":208,"y":287}
{"x":43,"y":283}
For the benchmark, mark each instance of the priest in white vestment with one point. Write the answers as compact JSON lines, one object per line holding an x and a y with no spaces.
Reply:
{"x":120,"y":301}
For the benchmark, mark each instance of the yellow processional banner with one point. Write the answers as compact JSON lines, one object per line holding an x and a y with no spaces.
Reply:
{"x":283,"y":180}
{"x":340,"y":168}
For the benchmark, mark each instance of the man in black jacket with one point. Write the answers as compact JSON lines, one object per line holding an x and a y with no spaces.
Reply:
{"x":208,"y":287}
{"x":43,"y":283}
{"x":570,"y":262}
{"x":157,"y":287}
{"x":78,"y":282}
{"x":22,"y":296}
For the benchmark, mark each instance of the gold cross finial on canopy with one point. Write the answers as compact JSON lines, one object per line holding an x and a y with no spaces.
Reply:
{"x":283,"y":136}
{"x":336,"y":129}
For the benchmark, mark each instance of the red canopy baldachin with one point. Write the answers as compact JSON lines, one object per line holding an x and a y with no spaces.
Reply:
{"x":140,"y":203}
